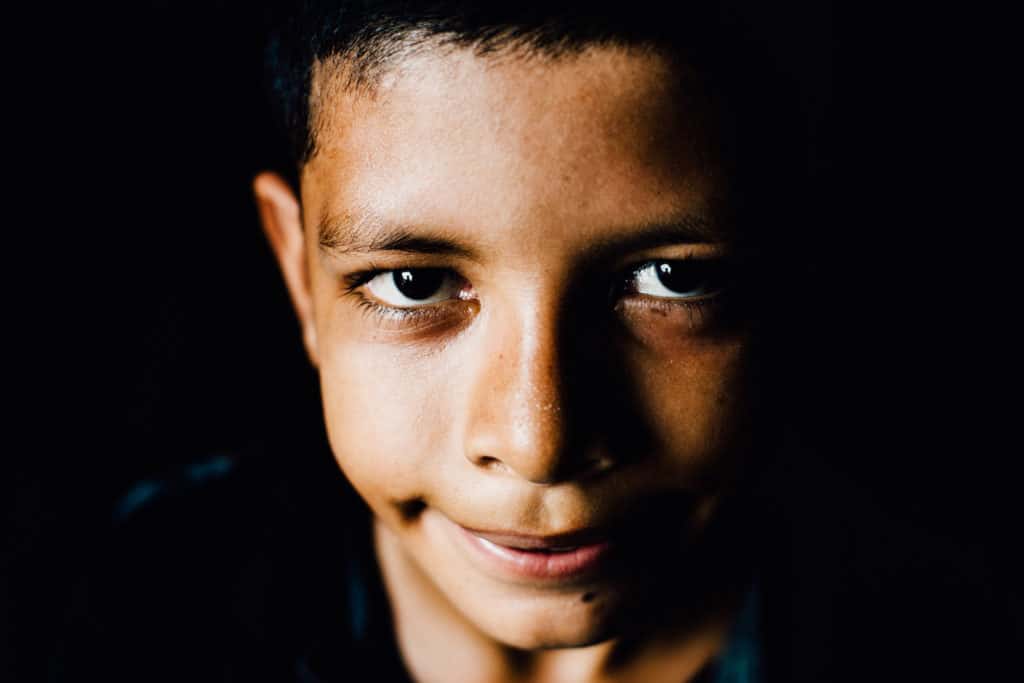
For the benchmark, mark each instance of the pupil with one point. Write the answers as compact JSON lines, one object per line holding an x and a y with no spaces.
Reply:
{"x":418,"y":284}
{"x":683,"y":277}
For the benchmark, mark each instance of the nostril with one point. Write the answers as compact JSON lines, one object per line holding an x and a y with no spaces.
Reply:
{"x":591,"y":467}
{"x":598,"y":465}
{"x":490,"y":463}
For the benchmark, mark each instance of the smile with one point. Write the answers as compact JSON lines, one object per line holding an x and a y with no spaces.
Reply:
{"x":563,"y":557}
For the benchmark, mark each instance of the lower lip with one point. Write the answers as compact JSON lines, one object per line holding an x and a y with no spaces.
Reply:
{"x":528,"y":564}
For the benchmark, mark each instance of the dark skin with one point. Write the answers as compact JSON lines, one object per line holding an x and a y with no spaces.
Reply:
{"x":520,"y":395}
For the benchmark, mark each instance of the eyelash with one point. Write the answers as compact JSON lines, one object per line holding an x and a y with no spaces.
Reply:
{"x":390,"y":313}
{"x":696,"y":307}
{"x":354,"y":281}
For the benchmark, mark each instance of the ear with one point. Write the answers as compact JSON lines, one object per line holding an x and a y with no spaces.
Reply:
{"x":282,"y":222}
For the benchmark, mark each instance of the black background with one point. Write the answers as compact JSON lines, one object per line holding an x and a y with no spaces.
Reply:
{"x":156,"y":328}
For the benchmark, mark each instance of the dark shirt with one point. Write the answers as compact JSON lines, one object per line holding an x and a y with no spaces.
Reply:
{"x":253,"y":566}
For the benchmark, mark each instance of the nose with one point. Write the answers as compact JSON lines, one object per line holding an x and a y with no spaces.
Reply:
{"x":521,"y":416}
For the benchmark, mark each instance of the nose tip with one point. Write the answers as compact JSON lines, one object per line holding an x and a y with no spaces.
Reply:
{"x":519,"y":436}
{"x":538,"y":455}
{"x":521,"y":418}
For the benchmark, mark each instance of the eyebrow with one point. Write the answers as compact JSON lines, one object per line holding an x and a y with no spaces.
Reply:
{"x":369,"y":234}
{"x":688,"y":229}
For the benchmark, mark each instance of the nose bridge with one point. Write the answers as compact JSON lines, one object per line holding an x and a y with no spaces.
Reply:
{"x":518,"y":407}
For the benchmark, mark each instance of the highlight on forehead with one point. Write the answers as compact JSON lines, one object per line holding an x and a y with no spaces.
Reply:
{"x":359,"y":71}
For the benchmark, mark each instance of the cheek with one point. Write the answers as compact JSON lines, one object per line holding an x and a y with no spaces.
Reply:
{"x":693,"y":395}
{"x":383,"y":418}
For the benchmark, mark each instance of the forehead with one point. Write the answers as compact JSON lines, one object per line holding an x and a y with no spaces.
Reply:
{"x":509,"y":145}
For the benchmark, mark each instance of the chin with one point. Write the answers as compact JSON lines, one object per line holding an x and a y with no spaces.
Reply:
{"x":551,"y":637}
{"x":533,"y":626}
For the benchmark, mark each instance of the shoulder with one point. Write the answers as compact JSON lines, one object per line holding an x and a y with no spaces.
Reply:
{"x":230,"y":562}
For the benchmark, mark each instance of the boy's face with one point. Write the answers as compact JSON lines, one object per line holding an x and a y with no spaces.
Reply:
{"x":556,"y":352}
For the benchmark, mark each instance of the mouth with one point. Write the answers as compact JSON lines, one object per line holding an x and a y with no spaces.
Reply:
{"x":610,"y":550}
{"x":551,"y":543}
{"x":560,"y":557}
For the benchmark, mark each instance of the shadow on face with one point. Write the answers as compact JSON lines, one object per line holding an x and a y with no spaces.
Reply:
{"x":520,"y":282}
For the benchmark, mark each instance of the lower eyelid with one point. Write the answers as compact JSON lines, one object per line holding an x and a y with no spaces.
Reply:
{"x":688,"y":312}
{"x":649,"y":301}
{"x":379,"y":309}
{"x":411,"y":318}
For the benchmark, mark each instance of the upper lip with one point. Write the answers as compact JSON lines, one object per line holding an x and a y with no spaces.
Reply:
{"x":570,"y":539}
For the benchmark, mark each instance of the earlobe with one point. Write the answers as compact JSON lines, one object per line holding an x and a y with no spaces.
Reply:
{"x":282,"y":223}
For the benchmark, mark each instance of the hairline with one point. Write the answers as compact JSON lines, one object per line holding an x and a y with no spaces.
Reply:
{"x":354,"y":73}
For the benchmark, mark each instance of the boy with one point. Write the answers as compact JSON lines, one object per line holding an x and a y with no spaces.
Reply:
{"x":535,"y":254}
{"x":510,"y":257}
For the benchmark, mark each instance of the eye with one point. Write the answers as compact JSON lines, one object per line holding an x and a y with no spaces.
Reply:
{"x":682,"y":279}
{"x":411,"y":287}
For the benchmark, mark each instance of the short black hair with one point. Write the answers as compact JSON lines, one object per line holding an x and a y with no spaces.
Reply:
{"x":369,"y":34}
